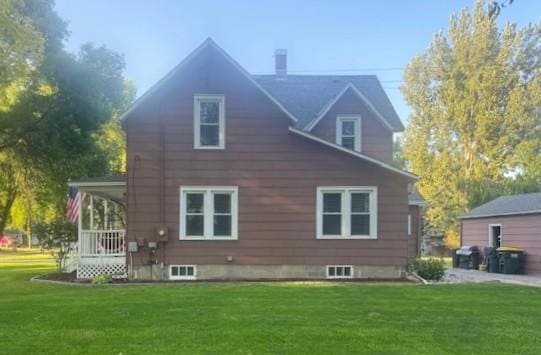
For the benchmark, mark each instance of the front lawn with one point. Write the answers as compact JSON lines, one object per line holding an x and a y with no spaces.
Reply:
{"x":25,"y":255}
{"x":258,"y":318}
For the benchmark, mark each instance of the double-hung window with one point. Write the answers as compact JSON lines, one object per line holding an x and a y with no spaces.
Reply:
{"x":208,"y":213}
{"x":348,"y":131}
{"x":347,"y":212}
{"x":209,"y":122}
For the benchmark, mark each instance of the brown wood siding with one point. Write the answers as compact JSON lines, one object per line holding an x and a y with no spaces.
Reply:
{"x":522,"y":231}
{"x":376,"y":139}
{"x":277,"y":174}
{"x":414,"y":238}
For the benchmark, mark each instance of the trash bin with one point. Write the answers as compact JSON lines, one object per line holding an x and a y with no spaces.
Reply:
{"x":468,"y":257}
{"x":512,"y":260}
{"x":491,"y":260}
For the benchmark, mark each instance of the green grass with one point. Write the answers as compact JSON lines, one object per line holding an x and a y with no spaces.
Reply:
{"x":259,"y":318}
{"x":24,"y":255}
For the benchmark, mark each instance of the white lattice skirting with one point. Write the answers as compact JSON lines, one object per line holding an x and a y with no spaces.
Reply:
{"x":88,"y":271}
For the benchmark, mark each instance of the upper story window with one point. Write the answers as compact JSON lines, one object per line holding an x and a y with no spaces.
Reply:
{"x":208,"y":212}
{"x":347,"y":212}
{"x":348,"y":131}
{"x":209,"y":122}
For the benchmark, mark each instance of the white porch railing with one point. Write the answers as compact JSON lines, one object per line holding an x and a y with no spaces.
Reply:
{"x":102,"y":243}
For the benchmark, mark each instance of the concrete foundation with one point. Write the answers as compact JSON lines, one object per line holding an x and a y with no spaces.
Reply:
{"x":266,"y":272}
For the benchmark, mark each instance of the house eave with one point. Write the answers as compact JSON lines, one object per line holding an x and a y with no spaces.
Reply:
{"x":501,"y":214}
{"x":80,"y":184}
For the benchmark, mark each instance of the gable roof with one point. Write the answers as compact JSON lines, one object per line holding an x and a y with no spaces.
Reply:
{"x":507,"y":205}
{"x":208,"y":43}
{"x":353,"y":153}
{"x":308,"y":96}
{"x":304,"y":98}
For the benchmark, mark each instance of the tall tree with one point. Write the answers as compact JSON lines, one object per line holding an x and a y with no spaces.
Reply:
{"x":21,"y":50}
{"x":50,"y":132}
{"x":398,"y":156}
{"x":476,"y":125}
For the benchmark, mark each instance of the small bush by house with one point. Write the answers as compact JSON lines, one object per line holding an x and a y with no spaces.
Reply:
{"x":428,"y":268}
{"x":102,"y":279}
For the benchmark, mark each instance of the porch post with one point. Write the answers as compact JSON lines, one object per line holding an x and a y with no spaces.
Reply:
{"x":105,"y":214}
{"x":79,"y":224}
{"x":115,"y":213}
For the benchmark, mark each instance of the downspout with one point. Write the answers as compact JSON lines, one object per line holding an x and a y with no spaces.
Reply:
{"x":131,"y":192}
{"x":162,"y":193}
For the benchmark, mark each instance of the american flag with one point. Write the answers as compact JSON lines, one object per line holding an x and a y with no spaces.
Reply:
{"x":74,"y":199}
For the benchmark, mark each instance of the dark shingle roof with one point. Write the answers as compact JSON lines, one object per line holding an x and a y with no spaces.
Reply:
{"x":306,"y":95}
{"x":508,"y":205}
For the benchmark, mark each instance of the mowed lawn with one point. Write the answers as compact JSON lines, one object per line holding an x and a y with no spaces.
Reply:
{"x":262,"y":318}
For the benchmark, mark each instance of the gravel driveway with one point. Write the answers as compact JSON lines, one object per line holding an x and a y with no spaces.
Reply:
{"x":463,"y":275}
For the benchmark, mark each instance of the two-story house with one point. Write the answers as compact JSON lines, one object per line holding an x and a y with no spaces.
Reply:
{"x":239,"y":176}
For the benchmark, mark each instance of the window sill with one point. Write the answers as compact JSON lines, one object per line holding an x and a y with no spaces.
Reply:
{"x":353,"y":237}
{"x":182,"y":278}
{"x":208,"y":238}
{"x":339,"y":277}
{"x":209,"y":148}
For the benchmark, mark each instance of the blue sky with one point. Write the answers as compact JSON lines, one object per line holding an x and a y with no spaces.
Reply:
{"x":322,"y":37}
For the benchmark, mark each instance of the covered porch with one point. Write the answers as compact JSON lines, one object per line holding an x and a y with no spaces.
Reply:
{"x":101,"y":246}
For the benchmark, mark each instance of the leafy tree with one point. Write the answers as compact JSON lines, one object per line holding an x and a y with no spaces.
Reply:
{"x":57,"y":237}
{"x":476,"y":125}
{"x":52,"y":130}
{"x":21,"y":50}
{"x":398,"y":157}
{"x":495,"y":7}
{"x":8,"y":190}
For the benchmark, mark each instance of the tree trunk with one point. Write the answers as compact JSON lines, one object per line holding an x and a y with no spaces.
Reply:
{"x":5,"y":208}
{"x":29,"y":228}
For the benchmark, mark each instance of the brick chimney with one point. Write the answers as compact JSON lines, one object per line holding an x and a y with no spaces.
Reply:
{"x":280,"y":64}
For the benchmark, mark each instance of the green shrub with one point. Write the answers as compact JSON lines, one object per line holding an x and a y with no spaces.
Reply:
{"x":428,"y":268}
{"x":58,"y":237}
{"x":102,"y":279}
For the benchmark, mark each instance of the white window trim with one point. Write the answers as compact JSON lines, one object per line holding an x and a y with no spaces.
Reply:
{"x":186,"y":277}
{"x":209,"y":211}
{"x":339,"y":277}
{"x":490,"y":236}
{"x":346,"y":211}
{"x":409,"y":224}
{"x":197,"y":120}
{"x":358,"y":129}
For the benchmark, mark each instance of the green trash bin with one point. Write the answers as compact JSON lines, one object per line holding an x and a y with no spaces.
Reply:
{"x":493,"y":263}
{"x":511,"y":260}
{"x":491,"y":260}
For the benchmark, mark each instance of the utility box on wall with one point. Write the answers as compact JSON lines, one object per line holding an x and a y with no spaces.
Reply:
{"x":133,"y":247}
